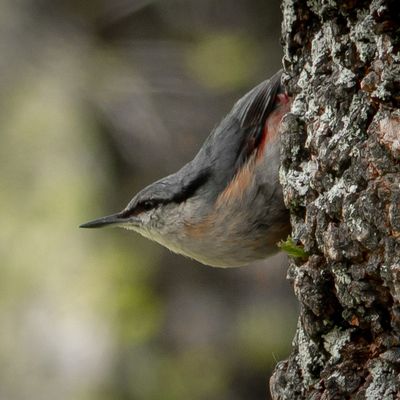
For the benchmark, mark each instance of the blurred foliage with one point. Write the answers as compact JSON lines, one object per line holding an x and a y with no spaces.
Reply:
{"x":98,"y":99}
{"x":225,"y":61}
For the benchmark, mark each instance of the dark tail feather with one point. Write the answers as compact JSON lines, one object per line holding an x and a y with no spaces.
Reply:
{"x":252,"y":111}
{"x":254,"y":107}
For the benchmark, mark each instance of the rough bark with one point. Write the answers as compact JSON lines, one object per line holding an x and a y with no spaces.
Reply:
{"x":341,"y":179}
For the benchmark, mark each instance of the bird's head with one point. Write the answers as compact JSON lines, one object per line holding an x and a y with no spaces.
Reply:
{"x":160,"y":210}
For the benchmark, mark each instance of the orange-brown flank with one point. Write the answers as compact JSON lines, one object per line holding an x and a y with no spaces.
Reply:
{"x":244,"y":176}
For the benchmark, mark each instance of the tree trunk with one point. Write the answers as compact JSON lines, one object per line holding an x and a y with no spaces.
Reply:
{"x":341,"y":179}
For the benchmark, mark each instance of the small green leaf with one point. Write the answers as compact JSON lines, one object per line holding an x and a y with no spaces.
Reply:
{"x":292,"y":249}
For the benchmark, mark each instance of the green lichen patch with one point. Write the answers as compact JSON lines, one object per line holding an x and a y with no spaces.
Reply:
{"x":292,"y":249}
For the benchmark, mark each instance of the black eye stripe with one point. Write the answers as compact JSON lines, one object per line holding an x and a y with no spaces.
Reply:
{"x":190,"y":189}
{"x":186,"y":191}
{"x":142,"y":206}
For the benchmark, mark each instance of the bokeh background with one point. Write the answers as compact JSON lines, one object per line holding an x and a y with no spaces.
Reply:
{"x":98,"y":99}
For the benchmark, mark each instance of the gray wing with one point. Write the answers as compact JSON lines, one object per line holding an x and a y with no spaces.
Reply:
{"x":239,"y":134}
{"x":252,"y":111}
{"x":225,"y":151}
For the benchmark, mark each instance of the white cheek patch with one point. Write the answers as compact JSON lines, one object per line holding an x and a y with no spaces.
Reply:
{"x":128,"y":227}
{"x":158,"y":238}
{"x":147,"y":228}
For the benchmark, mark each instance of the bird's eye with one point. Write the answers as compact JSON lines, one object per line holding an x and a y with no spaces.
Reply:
{"x":140,"y":207}
{"x":148,"y":205}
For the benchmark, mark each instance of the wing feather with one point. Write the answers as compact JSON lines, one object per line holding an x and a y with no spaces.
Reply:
{"x":252,"y":111}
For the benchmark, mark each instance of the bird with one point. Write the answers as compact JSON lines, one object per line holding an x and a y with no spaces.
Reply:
{"x":225,"y":207}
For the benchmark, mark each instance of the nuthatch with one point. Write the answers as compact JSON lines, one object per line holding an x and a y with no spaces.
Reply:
{"x":225,"y":207}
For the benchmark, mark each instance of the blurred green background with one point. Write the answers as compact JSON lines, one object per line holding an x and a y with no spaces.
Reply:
{"x":98,"y":99}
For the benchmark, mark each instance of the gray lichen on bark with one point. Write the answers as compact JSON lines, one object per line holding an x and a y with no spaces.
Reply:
{"x":341,"y":178}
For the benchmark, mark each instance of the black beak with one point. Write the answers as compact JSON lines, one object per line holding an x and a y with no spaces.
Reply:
{"x":105,"y":221}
